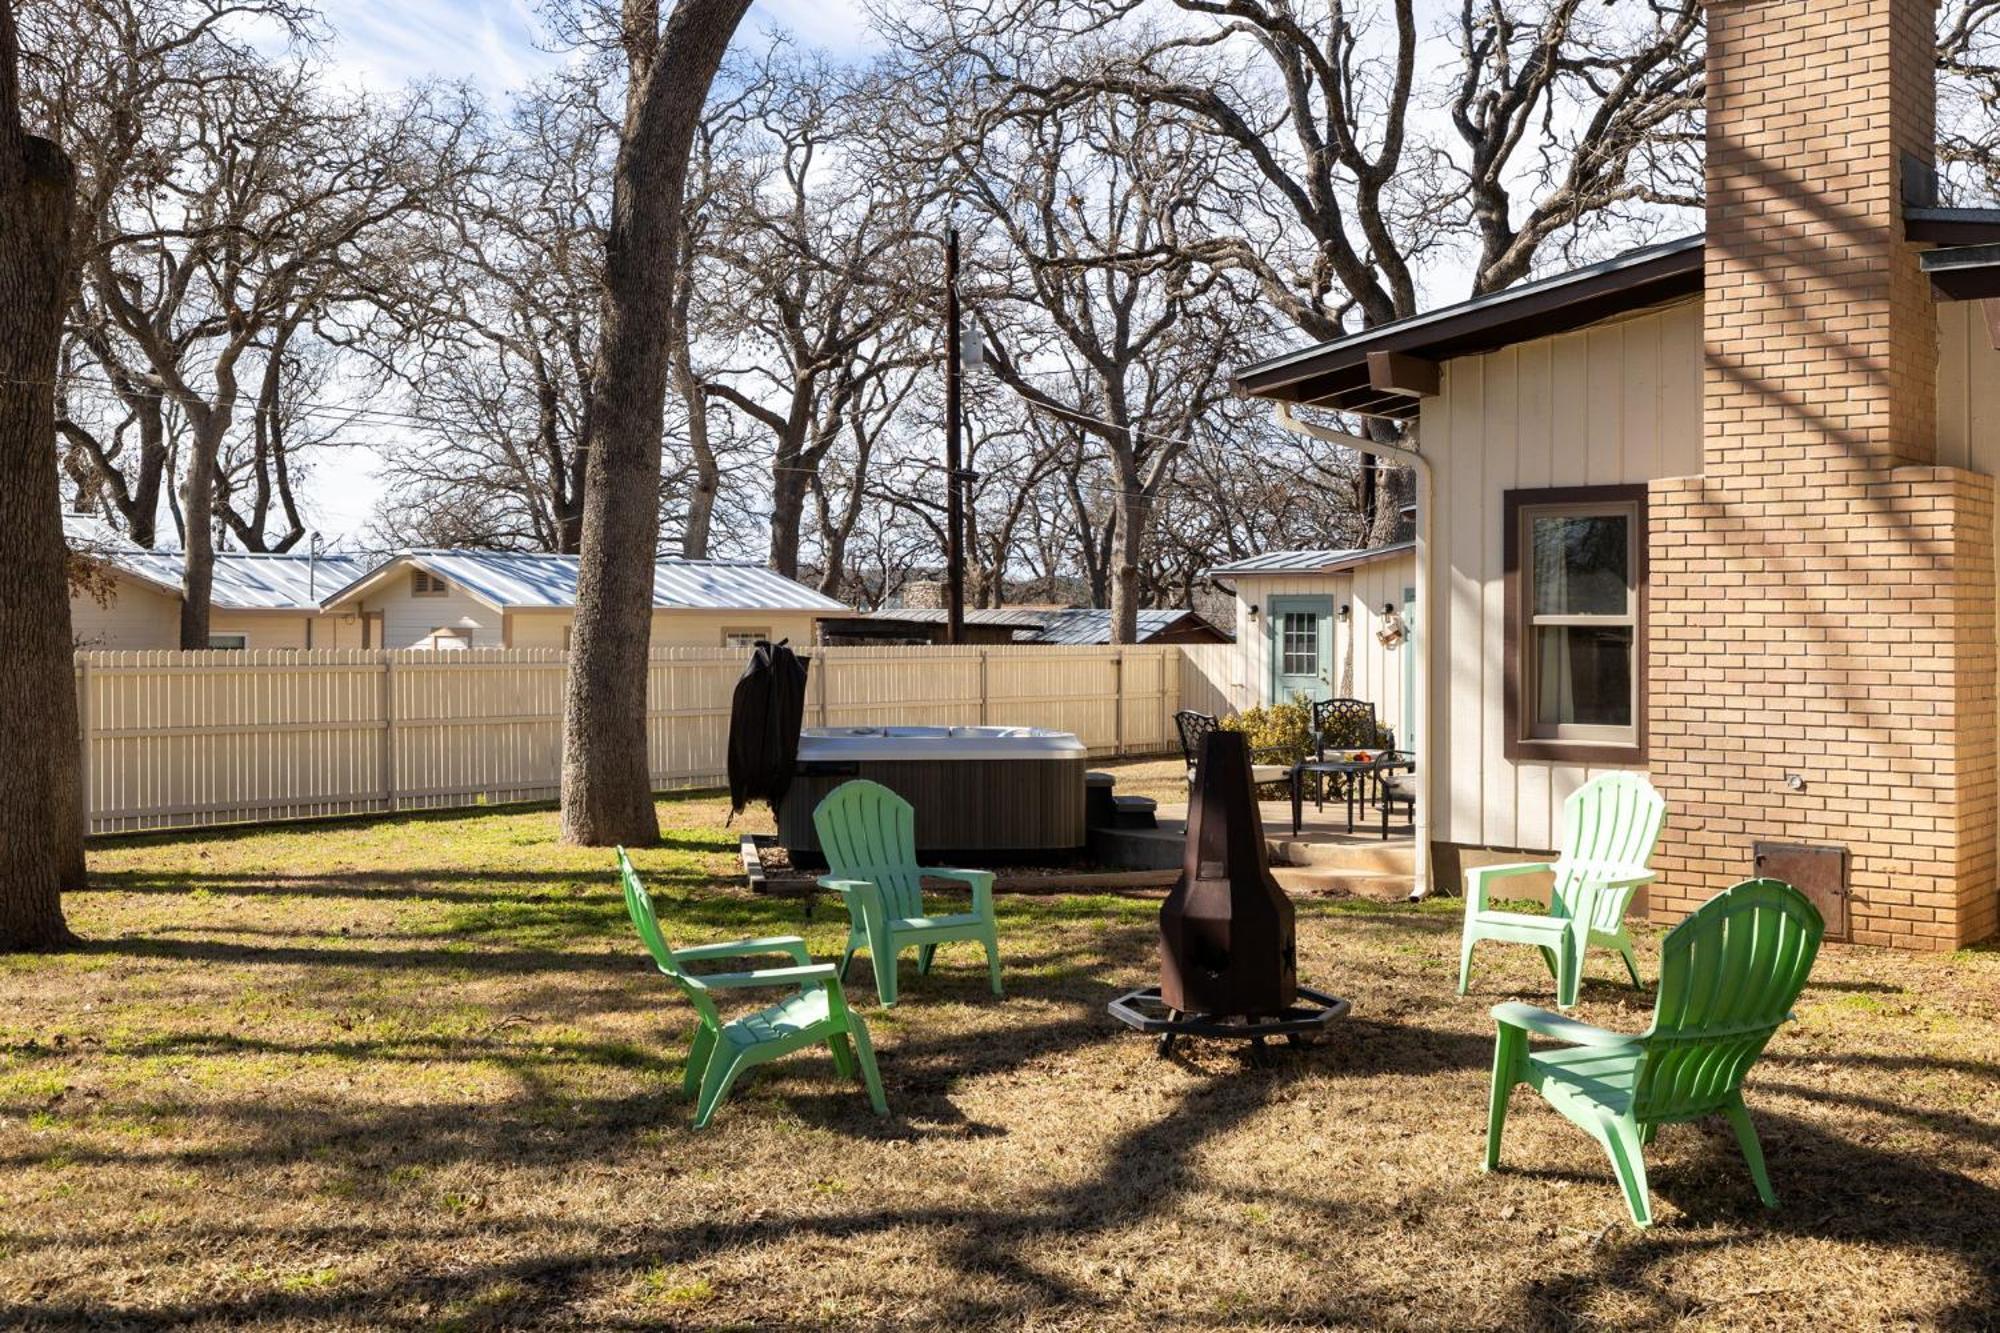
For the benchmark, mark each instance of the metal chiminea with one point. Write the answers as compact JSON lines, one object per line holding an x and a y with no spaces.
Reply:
{"x":1228,"y":950}
{"x":1227,"y":944}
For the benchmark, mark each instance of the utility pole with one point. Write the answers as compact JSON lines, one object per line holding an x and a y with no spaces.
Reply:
{"x":954,"y":507}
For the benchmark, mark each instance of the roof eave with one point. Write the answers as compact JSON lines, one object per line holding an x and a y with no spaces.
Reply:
{"x":1337,"y":370}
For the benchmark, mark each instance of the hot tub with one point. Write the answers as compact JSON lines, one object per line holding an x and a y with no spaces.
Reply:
{"x":979,"y":792}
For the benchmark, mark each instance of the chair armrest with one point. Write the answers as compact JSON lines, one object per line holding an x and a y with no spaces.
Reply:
{"x":981,"y":882}
{"x":790,"y":945}
{"x":855,"y":888}
{"x":1475,"y":879}
{"x":770,"y":976}
{"x":1527,"y":1017}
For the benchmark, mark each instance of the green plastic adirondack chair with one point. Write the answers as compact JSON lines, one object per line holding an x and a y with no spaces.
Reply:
{"x":816,"y":1014}
{"x":1729,"y":975}
{"x":1609,"y":827}
{"x":869,"y":836}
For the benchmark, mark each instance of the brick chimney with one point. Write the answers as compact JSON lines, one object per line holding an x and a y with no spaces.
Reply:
{"x":1822,"y":596}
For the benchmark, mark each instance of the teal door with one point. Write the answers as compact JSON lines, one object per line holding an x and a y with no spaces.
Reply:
{"x":1301,"y":630}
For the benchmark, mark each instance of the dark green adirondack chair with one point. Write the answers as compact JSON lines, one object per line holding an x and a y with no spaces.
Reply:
{"x":1729,"y":975}
{"x":868,"y":834}
{"x":816,"y":1014}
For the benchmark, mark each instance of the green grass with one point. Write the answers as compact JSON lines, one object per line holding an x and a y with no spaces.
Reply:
{"x":414,"y":1073}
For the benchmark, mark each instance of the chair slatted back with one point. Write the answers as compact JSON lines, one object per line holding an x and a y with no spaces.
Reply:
{"x":1345,"y":724}
{"x":639,"y":906}
{"x":1610,"y":821}
{"x":868,"y":832}
{"x":1729,"y":975}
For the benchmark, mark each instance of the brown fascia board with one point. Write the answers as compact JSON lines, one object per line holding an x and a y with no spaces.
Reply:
{"x":1336,"y":373}
{"x":1963,"y":273}
{"x":1952,"y":226}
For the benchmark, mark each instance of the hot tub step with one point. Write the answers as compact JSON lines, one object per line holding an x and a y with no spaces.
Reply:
{"x":1134,"y":812}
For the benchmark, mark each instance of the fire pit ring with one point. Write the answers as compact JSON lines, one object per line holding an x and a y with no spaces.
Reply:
{"x":1311,"y":1012}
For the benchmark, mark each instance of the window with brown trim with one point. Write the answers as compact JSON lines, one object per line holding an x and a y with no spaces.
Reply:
{"x":1574,"y":561}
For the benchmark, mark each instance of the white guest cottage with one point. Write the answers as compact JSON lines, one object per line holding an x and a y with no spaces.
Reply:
{"x":515,"y":599}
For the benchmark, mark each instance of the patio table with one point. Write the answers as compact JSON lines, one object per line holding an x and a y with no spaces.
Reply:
{"x":1374,"y":766}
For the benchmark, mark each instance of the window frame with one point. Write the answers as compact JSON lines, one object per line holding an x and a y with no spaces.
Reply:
{"x":420,"y":577}
{"x":1517,"y":508}
{"x":241,"y":646}
{"x":457,"y":634}
{"x":762,"y":634}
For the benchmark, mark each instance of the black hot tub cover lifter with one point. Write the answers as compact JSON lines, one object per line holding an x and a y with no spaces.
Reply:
{"x":764,"y":719}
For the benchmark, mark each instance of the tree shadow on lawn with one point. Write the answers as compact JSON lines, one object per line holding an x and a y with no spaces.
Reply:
{"x":1830,"y":1188}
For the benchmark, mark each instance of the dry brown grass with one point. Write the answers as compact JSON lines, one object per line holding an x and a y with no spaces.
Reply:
{"x":412,"y":1073}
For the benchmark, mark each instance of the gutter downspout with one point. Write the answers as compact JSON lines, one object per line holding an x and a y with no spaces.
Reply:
{"x":1412,"y":457}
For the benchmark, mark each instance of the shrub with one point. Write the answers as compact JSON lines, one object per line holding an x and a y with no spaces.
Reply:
{"x":1278,"y":733}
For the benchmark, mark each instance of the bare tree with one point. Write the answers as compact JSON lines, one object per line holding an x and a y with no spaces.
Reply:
{"x":811,"y":247}
{"x":213,"y":239}
{"x":41,"y":842}
{"x":494,"y":332}
{"x":606,"y":779}
{"x":1093,"y":202}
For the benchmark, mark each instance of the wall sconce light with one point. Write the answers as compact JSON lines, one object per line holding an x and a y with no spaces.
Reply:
{"x":1253,"y":613}
{"x":1346,"y":613}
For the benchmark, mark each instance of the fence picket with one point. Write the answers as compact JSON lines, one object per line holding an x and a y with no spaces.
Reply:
{"x":179,"y":739}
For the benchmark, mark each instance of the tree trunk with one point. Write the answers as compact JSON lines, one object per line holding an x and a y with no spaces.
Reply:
{"x":198,"y":536}
{"x":788,"y":510}
{"x":606,"y":784}
{"x":1135,"y":511}
{"x":696,"y":532}
{"x":41,"y":844}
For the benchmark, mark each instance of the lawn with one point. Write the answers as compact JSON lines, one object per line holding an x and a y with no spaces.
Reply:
{"x":413,"y":1073}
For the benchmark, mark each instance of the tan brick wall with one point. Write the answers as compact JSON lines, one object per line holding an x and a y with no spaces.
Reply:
{"x":1822,"y":598}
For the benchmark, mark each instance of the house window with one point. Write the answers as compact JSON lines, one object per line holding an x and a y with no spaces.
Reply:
{"x":449,"y":640}
{"x":740,"y":637}
{"x":423,"y":583}
{"x":1299,"y":641}
{"x":1575,"y":566}
{"x":237,"y":642}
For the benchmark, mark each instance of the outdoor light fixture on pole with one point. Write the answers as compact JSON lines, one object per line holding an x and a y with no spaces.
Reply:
{"x":954,"y":506}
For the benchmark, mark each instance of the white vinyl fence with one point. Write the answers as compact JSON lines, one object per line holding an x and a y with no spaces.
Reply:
{"x":172,"y":739}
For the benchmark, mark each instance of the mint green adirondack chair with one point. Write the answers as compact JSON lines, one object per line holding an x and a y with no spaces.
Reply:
{"x":817,"y":1014}
{"x":869,"y":836}
{"x":1729,"y":975}
{"x":1609,"y":827}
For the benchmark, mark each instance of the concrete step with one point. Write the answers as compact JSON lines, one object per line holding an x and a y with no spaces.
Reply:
{"x":1383,"y":886}
{"x":1396,"y":858}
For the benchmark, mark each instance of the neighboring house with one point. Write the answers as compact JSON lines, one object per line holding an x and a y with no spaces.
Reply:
{"x":258,"y":601}
{"x":1722,"y":510}
{"x":517,"y":599}
{"x":1326,"y":624}
{"x":1019,"y":625}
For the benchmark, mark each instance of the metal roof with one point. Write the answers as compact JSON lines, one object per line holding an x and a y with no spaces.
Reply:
{"x":530,"y":581}
{"x":1070,"y":626}
{"x":1308,"y":562}
{"x":244,"y":580}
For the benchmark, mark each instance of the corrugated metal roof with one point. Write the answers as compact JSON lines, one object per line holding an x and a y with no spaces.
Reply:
{"x":1090,"y":626}
{"x":244,"y":580}
{"x":525,"y":580}
{"x":1307,"y":562}
{"x":1073,"y":626}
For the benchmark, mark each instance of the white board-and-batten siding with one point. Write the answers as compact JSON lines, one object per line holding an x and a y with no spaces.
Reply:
{"x":1616,"y":403}
{"x":1373,"y":671}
